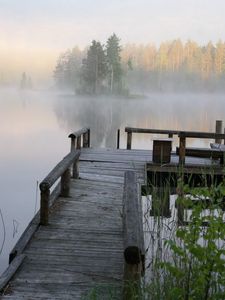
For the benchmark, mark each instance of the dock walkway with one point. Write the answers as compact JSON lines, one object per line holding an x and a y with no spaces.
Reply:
{"x":81,"y":250}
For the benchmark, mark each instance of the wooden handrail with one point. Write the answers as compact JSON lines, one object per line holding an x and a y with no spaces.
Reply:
{"x":133,"y":232}
{"x":131,"y":130}
{"x":76,"y":138}
{"x":146,"y":130}
{"x":62,"y":170}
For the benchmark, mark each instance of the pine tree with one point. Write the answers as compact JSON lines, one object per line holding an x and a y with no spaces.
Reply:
{"x":94,"y":69}
{"x":113,"y":50}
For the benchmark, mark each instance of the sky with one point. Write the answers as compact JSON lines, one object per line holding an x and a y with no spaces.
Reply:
{"x":34,"y":32}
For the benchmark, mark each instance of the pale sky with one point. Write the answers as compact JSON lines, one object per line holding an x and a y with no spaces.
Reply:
{"x":47,"y":27}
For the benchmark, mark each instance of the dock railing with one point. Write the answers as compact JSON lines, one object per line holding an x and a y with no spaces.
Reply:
{"x":182,"y":135}
{"x":76,"y":137}
{"x":63,"y":169}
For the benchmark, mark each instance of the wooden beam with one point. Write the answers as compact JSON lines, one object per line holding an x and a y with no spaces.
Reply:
{"x":118,"y":139}
{"x":59,"y":169}
{"x":129,"y":140}
{"x":132,"y":245}
{"x":78,"y":133}
{"x":10,"y":271}
{"x":153,"y":131}
{"x":182,"y":147}
{"x":219,"y":126}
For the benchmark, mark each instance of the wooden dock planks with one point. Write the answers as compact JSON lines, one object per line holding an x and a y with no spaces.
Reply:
{"x":81,"y":250}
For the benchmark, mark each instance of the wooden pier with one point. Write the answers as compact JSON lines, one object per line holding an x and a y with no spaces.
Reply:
{"x":88,"y":236}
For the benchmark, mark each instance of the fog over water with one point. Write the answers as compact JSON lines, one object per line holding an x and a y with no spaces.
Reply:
{"x":35,"y":126}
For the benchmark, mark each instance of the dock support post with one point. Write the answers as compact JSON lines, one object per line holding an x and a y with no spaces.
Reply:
{"x":75,"y":172}
{"x":85,"y":140}
{"x":224,"y":133}
{"x":182,"y":149}
{"x":118,"y":139}
{"x":73,"y":144}
{"x":129,"y":140}
{"x":219,"y":125}
{"x":65,"y":183}
{"x":79,"y":142}
{"x":45,"y":195}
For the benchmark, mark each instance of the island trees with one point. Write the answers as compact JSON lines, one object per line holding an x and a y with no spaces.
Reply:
{"x":115,"y":73}
{"x":101,"y":71}
{"x":94,"y":70}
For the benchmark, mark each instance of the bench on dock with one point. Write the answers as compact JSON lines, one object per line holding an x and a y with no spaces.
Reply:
{"x":215,"y":154}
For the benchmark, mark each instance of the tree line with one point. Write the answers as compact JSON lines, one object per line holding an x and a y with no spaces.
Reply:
{"x":172,"y":66}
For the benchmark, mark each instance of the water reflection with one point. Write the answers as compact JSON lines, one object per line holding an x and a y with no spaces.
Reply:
{"x":105,"y":115}
{"x":35,"y":126}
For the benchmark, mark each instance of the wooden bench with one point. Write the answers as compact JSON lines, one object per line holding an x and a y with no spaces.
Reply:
{"x":204,"y":153}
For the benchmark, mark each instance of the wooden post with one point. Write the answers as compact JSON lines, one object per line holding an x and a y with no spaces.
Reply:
{"x":45,"y":195}
{"x":219,"y":125}
{"x":89,"y":141}
{"x":182,"y":149}
{"x":224,"y":133}
{"x":79,"y":142}
{"x":65,"y":183}
{"x":180,"y":204}
{"x":129,"y":140}
{"x":85,"y":140}
{"x":132,"y":225}
{"x":75,"y":173}
{"x":118,"y":139}
{"x":73,"y":143}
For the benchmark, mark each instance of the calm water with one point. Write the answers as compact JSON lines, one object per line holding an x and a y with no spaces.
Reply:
{"x":34,"y":130}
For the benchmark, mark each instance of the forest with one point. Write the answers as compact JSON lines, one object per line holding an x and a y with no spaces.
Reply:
{"x":173,"y":66}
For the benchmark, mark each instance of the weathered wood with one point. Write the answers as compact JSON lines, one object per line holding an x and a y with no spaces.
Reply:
{"x":89,"y":140}
{"x":23,"y":240}
{"x":44,"y":208}
{"x":59,"y":169}
{"x":79,"y":142}
{"x":132,"y":247}
{"x":75,"y":171}
{"x":78,"y":133}
{"x":11,"y":270}
{"x":152,"y":131}
{"x":202,"y":135}
{"x":224,"y":133}
{"x":73,"y":144}
{"x":182,"y":150}
{"x":65,"y":183}
{"x":204,"y":152}
{"x":129,"y":140}
{"x":32,"y":227}
{"x":85,"y":140}
{"x":118,"y":139}
{"x":219,"y":126}
{"x":161,"y":150}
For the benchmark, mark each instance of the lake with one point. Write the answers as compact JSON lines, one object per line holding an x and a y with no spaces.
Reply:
{"x":34,"y":137}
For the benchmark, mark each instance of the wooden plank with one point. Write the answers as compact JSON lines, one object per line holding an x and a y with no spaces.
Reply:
{"x":83,"y":243}
{"x":11,"y":270}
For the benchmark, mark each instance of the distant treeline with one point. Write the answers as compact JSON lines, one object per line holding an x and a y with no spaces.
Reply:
{"x":173,"y":66}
